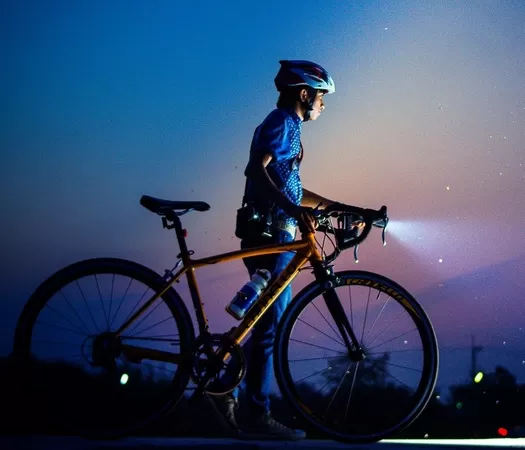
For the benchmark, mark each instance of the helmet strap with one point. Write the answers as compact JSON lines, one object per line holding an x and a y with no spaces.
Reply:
{"x":308,"y":104}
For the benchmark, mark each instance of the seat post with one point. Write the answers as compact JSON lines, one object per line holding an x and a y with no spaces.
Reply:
{"x":180,"y":232}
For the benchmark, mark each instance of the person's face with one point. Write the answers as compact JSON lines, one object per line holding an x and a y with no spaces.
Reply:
{"x":318,"y":105}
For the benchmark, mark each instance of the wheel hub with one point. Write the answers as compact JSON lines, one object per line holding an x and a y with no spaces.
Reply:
{"x":106,"y":348}
{"x":357,"y":355}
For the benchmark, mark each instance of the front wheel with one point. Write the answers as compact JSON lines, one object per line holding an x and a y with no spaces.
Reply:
{"x":73,"y":371}
{"x":348,"y":395}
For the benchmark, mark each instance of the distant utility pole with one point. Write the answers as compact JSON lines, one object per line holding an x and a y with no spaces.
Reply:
{"x":474,"y":358}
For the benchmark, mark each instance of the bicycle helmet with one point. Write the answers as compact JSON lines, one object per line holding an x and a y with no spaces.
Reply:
{"x":303,"y":73}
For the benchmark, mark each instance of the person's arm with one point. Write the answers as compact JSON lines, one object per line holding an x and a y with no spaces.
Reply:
{"x":256,"y":170}
{"x":313,"y":200}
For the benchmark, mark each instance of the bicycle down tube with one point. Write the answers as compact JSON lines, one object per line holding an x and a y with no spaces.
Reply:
{"x":305,"y":249}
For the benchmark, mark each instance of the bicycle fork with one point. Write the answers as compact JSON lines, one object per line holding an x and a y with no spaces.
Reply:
{"x":333,"y":303}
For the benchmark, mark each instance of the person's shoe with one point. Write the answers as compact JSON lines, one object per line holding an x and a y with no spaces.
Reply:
{"x":217,"y":412}
{"x":226,"y":405}
{"x":265,"y":427}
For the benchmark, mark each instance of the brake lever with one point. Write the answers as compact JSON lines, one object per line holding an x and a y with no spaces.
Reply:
{"x":382,"y":224}
{"x":383,"y":233}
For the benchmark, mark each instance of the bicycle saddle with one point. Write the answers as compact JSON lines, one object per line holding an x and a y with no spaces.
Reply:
{"x":159,"y":206}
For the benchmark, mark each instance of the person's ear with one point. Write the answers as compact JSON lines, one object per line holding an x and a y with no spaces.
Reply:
{"x":303,"y":95}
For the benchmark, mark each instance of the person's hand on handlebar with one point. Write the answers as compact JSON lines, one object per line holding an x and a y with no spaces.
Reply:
{"x":305,"y":219}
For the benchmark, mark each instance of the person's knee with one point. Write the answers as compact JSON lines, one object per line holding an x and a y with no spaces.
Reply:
{"x":262,"y":337}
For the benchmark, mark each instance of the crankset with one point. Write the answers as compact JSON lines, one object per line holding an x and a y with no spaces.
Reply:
{"x":219,"y":364}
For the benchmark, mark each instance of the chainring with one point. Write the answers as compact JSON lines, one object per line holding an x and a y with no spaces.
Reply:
{"x":210,"y":371}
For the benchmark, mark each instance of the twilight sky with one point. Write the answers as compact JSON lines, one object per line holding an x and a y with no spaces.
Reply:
{"x":107,"y":100}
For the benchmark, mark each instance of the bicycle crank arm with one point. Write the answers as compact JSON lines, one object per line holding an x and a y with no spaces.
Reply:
{"x":137,"y":354}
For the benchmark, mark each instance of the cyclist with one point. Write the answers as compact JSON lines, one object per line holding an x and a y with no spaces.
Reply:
{"x":274,"y":190}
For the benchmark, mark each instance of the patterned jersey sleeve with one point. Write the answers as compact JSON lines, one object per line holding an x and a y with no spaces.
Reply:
{"x":273,"y":136}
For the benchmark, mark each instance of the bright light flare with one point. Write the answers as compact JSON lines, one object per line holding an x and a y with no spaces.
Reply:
{"x":124,"y":379}
{"x":424,"y":238}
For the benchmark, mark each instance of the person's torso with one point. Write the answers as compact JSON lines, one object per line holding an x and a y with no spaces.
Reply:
{"x":280,"y":135}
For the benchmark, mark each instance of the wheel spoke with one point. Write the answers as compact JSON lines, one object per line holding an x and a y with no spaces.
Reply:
{"x":313,"y":359}
{"x":164,"y":338}
{"x":366,"y":313}
{"x":58,"y":327}
{"x":389,"y":374}
{"x":136,"y":304}
{"x":48,"y":306}
{"x":377,"y":318}
{"x":102,"y":303}
{"x":393,"y":339}
{"x":329,"y":368}
{"x":329,"y":324}
{"x":87,"y":305}
{"x":120,"y":303}
{"x":74,"y":311}
{"x":321,"y":332}
{"x":351,"y":390}
{"x":317,"y":346}
{"x":152,"y":326}
{"x":388,"y":327}
{"x":337,"y":390}
{"x":351,"y":307}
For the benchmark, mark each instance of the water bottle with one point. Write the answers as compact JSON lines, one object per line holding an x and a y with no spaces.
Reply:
{"x":249,"y":293}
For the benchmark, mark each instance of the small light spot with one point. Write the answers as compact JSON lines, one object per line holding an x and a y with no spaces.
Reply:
{"x":124,"y":378}
{"x":406,"y":342}
{"x":448,"y":188}
{"x":478,"y":377}
{"x":440,"y":260}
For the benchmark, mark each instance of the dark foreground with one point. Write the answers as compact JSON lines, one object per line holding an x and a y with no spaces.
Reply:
{"x":72,"y":443}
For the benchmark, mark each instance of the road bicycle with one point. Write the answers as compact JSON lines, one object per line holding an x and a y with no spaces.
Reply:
{"x":355,"y":354}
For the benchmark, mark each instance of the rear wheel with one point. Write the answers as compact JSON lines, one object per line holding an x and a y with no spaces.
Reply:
{"x":354,"y":396}
{"x":73,"y":369}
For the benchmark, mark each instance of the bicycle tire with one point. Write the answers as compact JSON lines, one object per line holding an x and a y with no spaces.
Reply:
{"x":93,"y":389}
{"x":371,"y":423}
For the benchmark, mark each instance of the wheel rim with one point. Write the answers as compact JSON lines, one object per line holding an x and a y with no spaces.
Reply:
{"x":78,"y":373}
{"x":337,"y":392}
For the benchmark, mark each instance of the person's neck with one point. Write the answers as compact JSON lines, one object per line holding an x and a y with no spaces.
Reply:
{"x":299,"y":111}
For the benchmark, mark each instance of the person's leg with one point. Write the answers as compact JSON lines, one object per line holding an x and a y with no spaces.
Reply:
{"x":259,"y":347}
{"x":259,"y":355}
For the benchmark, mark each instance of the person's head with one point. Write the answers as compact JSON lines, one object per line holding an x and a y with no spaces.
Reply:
{"x":302,"y":85}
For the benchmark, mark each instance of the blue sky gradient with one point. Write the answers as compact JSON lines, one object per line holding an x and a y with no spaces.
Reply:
{"x":106,"y":101}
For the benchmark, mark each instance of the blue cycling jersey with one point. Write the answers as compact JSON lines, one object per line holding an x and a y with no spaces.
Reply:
{"x":280,"y":136}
